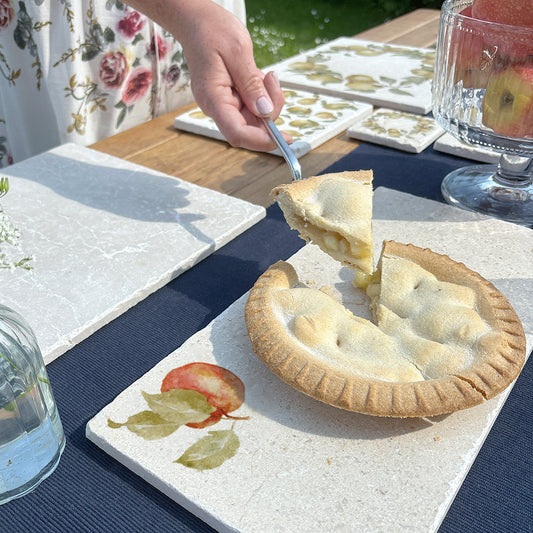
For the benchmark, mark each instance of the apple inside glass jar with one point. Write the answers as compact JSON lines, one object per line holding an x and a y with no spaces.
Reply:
{"x":508,"y":101}
{"x":497,"y":54}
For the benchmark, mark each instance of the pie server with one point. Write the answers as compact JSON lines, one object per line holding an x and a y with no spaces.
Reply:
{"x":288,"y":154}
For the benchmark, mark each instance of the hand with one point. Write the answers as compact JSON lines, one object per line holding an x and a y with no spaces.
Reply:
{"x":226,"y":82}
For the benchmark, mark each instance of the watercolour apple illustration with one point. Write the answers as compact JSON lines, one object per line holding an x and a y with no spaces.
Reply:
{"x":222,"y":389}
{"x":508,"y":101}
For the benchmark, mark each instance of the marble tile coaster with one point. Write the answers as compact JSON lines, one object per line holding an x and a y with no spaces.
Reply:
{"x":311,"y":119}
{"x":387,"y":75}
{"x":397,"y":129}
{"x":104,"y":233}
{"x":297,"y":464}
{"x":450,"y":145}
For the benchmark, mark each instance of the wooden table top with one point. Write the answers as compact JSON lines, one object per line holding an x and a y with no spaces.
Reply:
{"x":248,"y":175}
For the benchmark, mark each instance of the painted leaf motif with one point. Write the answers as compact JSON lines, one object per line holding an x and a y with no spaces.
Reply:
{"x":211,"y":451}
{"x":399,"y":91}
{"x":109,"y":35}
{"x":20,"y":36}
{"x":335,"y":105}
{"x":90,"y":52}
{"x":138,"y":37}
{"x":121,"y":115}
{"x":148,"y":425}
{"x":180,"y":406}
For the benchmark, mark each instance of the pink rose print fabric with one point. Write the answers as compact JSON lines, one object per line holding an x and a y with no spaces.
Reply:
{"x":137,"y":85}
{"x":7,"y":13}
{"x":81,"y":71}
{"x":114,"y":68}
{"x":131,"y":24}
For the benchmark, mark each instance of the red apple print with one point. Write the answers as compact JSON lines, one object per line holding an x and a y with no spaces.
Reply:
{"x":222,"y":389}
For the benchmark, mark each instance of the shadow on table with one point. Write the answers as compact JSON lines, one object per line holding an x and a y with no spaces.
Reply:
{"x":124,"y":192}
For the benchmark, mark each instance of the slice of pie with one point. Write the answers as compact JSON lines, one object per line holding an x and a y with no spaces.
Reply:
{"x":333,"y":211}
{"x":442,"y":337}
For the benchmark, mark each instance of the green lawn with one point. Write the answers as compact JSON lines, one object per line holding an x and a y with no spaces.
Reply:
{"x":283,"y":29}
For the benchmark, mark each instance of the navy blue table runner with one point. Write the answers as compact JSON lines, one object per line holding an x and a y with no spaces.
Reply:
{"x":91,"y":492}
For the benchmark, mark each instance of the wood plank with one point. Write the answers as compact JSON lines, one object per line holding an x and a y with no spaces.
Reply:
{"x":425,"y":36}
{"x":401,"y":29}
{"x":137,"y":139}
{"x":179,"y":153}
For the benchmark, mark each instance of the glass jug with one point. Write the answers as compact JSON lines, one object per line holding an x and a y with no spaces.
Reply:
{"x":31,"y":434}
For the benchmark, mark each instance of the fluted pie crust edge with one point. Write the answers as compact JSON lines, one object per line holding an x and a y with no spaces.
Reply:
{"x":327,"y":382}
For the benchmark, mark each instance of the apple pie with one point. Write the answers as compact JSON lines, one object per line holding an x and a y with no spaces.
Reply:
{"x":441,"y":338}
{"x":333,"y":211}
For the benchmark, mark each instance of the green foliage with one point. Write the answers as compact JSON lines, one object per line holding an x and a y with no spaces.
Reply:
{"x":283,"y":29}
{"x":395,"y":8}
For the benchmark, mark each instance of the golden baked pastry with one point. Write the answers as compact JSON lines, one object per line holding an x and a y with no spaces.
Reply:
{"x":333,"y":211}
{"x":442,"y":338}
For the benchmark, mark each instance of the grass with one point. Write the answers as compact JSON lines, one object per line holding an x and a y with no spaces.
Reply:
{"x":282,"y":29}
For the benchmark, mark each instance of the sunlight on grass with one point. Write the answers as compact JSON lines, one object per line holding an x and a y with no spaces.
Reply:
{"x":284,"y":30}
{"x":272,"y":45}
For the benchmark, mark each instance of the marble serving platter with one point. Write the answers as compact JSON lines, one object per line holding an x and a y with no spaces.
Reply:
{"x":100,"y":234}
{"x":311,"y":119}
{"x":296,"y":464}
{"x":448,"y":144}
{"x":397,"y":129}
{"x":394,"y":76}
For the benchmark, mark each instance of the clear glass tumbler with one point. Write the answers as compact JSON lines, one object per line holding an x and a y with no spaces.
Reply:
{"x":31,"y":434}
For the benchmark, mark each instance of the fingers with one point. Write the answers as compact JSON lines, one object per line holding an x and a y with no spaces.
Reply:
{"x":242,"y":129}
{"x":275,"y":92}
{"x":249,"y":82}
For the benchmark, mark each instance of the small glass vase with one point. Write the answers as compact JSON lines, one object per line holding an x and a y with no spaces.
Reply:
{"x":31,"y":434}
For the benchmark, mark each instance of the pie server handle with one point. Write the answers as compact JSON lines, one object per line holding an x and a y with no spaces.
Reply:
{"x":288,"y":154}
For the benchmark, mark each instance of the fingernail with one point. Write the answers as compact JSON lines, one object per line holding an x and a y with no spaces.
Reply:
{"x":275,"y":76}
{"x":264,"y":106}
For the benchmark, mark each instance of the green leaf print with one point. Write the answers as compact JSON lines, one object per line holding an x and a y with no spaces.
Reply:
{"x":138,"y":37}
{"x":121,"y":115}
{"x":211,"y":451}
{"x":148,"y":425}
{"x":109,"y":35}
{"x":180,"y":406}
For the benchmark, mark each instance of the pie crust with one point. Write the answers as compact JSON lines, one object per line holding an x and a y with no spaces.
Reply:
{"x":333,"y":211}
{"x":421,"y":356}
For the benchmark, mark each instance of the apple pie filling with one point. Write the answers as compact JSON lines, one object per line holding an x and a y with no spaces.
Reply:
{"x":354,"y":252}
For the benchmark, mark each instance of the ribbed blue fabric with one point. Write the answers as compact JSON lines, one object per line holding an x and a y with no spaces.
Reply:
{"x":91,"y":492}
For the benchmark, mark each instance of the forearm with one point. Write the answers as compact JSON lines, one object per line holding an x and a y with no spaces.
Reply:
{"x":179,"y":17}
